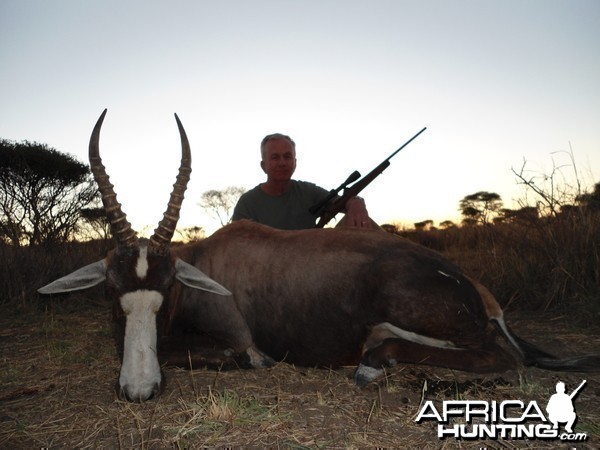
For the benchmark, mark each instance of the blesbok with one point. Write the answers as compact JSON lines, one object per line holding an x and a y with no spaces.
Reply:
{"x":320,"y":297}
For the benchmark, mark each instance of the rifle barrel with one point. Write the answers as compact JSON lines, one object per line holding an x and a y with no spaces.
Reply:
{"x":337,"y":205}
{"x":406,"y":143}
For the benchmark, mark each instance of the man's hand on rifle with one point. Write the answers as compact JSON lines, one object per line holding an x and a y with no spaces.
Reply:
{"x":356,"y":214}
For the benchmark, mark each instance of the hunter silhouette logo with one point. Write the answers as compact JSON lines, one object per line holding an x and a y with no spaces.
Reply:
{"x":508,"y":419}
{"x":560,"y":407}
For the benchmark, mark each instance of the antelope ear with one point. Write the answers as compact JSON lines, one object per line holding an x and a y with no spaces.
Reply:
{"x":195,"y":278}
{"x":83,"y":278}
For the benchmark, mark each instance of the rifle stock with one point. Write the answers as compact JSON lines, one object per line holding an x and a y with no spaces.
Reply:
{"x":332,"y":207}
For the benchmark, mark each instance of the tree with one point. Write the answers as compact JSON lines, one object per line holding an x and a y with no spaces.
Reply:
{"x":42,"y":193}
{"x":480,"y":208}
{"x":590,"y":199}
{"x":526,"y":214}
{"x":220,"y":204}
{"x":447,"y":224}
{"x":191,"y":234}
{"x":391,"y":228}
{"x":552,"y":189}
{"x":425,"y":225}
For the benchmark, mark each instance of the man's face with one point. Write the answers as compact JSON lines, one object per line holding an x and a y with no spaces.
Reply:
{"x":279,"y":162}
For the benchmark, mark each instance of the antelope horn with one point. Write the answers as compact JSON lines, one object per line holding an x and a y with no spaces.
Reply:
{"x":160,"y":240}
{"x":120,"y":227}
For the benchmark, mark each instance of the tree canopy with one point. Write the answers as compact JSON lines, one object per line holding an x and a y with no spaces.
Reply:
{"x":42,"y":193}
{"x":480,"y":207}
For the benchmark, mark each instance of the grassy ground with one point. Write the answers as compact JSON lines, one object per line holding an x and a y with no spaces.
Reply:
{"x":58,"y":368}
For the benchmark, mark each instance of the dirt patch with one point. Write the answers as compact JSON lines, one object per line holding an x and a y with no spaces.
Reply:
{"x":59,"y":367}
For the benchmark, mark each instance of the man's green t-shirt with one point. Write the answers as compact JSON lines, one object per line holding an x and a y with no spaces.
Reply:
{"x":287,"y":212}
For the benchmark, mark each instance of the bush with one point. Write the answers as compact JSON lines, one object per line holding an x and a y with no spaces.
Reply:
{"x":26,"y":269}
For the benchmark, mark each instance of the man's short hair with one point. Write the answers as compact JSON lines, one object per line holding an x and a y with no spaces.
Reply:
{"x":273,"y":137}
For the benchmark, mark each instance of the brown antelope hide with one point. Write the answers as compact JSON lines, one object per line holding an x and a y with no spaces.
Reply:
{"x":320,"y":297}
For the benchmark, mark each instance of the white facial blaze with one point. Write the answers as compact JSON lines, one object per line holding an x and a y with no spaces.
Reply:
{"x":141,"y":268}
{"x":140,"y":371}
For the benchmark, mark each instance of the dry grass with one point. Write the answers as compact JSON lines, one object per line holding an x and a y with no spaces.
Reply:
{"x":58,"y":370}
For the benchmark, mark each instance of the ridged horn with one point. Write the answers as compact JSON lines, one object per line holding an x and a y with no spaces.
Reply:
{"x":120,"y":227}
{"x":161,"y":239}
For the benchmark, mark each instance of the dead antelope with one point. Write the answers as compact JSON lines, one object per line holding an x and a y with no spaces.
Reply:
{"x":320,"y":297}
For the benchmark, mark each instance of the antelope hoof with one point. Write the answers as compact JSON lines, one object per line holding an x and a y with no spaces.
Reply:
{"x":258,"y":359}
{"x":365,"y":374}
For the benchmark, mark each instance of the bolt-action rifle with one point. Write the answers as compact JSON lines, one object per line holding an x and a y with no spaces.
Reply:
{"x":333,"y":204}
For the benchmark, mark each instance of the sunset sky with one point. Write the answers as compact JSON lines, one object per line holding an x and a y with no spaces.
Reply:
{"x":495,"y":83}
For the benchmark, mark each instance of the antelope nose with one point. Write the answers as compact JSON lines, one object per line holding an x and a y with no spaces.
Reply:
{"x":138,"y":395}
